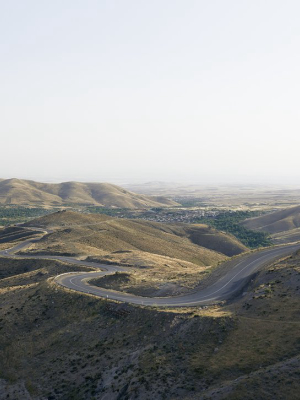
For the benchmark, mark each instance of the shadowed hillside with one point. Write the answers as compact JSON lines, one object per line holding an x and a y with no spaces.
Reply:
{"x":279,"y":221}
{"x":211,"y":238}
{"x":18,"y":191}
{"x":11,"y":235}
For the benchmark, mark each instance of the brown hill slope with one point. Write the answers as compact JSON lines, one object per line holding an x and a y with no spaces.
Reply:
{"x":206,"y":236}
{"x":165,"y":259}
{"x":18,"y":191}
{"x":279,"y":221}
{"x":86,"y":234}
{"x":59,"y":344}
{"x":67,"y":219}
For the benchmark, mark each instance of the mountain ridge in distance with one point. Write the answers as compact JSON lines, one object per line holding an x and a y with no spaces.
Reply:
{"x":28,"y":192}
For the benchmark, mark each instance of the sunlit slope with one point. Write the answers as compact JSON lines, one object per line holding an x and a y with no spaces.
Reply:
{"x":100,"y":235}
{"x":67,"y":219}
{"x":18,"y":191}
{"x":279,"y":221}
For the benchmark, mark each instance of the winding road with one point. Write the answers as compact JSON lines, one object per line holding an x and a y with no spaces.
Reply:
{"x":231,"y":283}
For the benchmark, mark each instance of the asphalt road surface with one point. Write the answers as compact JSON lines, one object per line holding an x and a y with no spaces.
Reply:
{"x":226,"y":287}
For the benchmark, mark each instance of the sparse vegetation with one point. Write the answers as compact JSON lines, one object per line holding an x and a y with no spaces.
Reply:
{"x":76,"y":346}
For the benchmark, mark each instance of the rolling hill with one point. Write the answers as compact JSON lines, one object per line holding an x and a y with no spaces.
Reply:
{"x":99,"y":234}
{"x":25,"y":192}
{"x":283,"y":225}
{"x":278,"y":221}
{"x":165,"y":259}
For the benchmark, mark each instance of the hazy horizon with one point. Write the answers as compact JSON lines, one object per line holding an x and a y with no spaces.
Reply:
{"x":131,"y":92}
{"x":191,"y":183}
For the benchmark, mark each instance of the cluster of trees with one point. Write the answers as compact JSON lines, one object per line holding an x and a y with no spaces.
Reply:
{"x":16,"y":214}
{"x":230,"y":222}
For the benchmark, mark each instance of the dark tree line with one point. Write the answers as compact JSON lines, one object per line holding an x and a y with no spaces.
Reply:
{"x":230,"y":222}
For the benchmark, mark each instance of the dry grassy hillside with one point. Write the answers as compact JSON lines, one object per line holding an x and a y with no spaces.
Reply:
{"x":65,"y":218}
{"x":283,"y":225}
{"x":151,"y":274}
{"x":57,"y":344}
{"x":164,"y":259}
{"x":86,"y":234}
{"x":277,"y":221}
{"x":100,"y":238}
{"x":287,"y":236}
{"x":208,"y":237}
{"x":18,"y":191}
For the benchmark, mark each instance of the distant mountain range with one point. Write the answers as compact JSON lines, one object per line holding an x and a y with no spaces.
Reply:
{"x":26,"y":192}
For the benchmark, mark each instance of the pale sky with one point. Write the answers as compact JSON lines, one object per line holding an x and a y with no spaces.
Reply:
{"x":133,"y":91}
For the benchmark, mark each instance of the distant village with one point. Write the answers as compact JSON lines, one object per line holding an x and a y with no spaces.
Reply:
{"x":170,"y":216}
